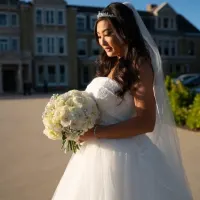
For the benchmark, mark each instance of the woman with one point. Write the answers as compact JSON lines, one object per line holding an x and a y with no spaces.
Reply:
{"x":133,"y":151}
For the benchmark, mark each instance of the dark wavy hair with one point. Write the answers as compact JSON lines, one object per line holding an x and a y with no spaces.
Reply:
{"x":124,"y":23}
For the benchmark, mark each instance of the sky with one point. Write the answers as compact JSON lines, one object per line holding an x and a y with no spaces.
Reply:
{"x":188,"y":8}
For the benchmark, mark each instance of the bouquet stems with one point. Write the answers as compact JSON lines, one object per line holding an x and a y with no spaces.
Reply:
{"x":70,"y":146}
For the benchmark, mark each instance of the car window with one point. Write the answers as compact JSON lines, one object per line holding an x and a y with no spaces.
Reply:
{"x":193,"y":82}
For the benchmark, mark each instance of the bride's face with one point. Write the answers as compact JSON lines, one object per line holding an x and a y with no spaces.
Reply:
{"x":109,"y":40}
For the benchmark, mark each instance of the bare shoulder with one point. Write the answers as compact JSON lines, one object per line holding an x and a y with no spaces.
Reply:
{"x":142,"y":92}
{"x":145,"y":69}
{"x":146,"y":74}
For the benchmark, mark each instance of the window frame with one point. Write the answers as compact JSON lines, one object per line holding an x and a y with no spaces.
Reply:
{"x":86,"y":47}
{"x":85,"y":22}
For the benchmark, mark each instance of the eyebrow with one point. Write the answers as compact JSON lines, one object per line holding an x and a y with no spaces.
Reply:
{"x":107,"y":29}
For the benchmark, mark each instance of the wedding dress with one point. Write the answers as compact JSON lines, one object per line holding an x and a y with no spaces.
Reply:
{"x":119,"y":169}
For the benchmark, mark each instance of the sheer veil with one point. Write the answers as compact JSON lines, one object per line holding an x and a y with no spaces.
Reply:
{"x":164,"y":135}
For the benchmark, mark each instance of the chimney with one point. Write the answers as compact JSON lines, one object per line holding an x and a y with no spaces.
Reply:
{"x":151,"y":7}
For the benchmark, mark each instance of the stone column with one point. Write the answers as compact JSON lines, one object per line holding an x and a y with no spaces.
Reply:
{"x":1,"y":80}
{"x":29,"y":72}
{"x":19,"y":79}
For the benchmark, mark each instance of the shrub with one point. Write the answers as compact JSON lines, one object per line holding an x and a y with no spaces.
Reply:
{"x":193,"y":119}
{"x":168,"y":83}
{"x":180,"y":99}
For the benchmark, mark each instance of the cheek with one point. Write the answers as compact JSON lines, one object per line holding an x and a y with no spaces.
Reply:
{"x":116,"y":45}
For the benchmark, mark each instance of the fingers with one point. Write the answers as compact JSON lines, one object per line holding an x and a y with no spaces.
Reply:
{"x":81,"y":139}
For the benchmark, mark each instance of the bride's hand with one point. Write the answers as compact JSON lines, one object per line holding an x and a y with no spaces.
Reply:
{"x":87,"y":136}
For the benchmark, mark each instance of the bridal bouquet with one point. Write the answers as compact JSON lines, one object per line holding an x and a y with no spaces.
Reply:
{"x":68,"y":116}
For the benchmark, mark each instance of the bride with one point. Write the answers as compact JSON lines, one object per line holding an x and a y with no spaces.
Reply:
{"x":133,"y":152}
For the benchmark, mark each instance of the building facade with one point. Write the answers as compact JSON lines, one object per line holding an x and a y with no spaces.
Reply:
{"x":50,"y":42}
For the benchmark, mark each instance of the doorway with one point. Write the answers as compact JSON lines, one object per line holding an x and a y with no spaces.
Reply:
{"x":9,"y":80}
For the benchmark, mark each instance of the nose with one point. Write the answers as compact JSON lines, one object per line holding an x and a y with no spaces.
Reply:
{"x":102,"y":41}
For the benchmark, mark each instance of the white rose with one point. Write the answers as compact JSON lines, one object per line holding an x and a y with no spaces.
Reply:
{"x":52,"y":135}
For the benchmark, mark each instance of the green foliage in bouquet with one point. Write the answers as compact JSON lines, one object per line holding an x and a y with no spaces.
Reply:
{"x":193,"y":119}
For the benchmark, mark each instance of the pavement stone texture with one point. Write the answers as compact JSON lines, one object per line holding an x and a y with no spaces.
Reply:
{"x":32,"y":165}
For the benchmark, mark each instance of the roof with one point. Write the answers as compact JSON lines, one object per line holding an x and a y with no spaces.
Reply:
{"x":143,"y":13}
{"x":86,"y":9}
{"x":160,"y":7}
{"x":91,"y":9}
{"x":185,"y":26}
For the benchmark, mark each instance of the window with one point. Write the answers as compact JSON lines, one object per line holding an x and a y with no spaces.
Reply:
{"x":173,"y":48}
{"x":191,"y":48}
{"x":14,"y":45}
{"x":95,"y":48}
{"x":50,"y":45}
{"x":81,"y":23}
{"x":60,"y":17}
{"x":159,"y":22}
{"x":85,"y":75}
{"x":39,"y":16}
{"x":165,"y":22}
{"x":49,"y":17}
{"x":3,"y":19}
{"x":52,"y":17}
{"x":178,"y":68}
{"x":62,"y":73}
{"x":41,"y":74}
{"x":51,"y":74}
{"x":3,"y":45}
{"x":92,"y":22}
{"x":14,"y":19}
{"x":82,"y":47}
{"x":61,"y":45}
{"x":172,"y":23}
{"x":39,"y":45}
{"x":166,"y":47}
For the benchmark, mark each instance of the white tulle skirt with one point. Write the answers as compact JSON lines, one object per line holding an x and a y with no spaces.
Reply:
{"x":122,"y":169}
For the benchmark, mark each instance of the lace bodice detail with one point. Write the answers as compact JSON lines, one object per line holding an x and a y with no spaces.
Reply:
{"x":112,"y":108}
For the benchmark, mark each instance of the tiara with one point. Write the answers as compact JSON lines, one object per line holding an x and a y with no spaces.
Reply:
{"x":104,"y":14}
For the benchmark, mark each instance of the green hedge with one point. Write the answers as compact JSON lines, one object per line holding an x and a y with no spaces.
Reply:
{"x":185,"y":106}
{"x":193,"y":119}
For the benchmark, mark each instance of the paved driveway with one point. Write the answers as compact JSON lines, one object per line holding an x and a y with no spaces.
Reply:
{"x":31,"y":165}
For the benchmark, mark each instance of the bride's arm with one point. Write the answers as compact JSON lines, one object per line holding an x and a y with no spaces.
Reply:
{"x":145,"y":104}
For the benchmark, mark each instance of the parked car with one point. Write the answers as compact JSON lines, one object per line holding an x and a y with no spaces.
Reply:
{"x":192,"y":82}
{"x":196,"y":89}
{"x":185,"y":77}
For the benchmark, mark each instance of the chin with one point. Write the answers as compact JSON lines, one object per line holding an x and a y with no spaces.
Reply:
{"x":111,"y":54}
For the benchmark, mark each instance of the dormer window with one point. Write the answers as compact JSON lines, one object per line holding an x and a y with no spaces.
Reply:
{"x":172,"y":23}
{"x":165,"y":22}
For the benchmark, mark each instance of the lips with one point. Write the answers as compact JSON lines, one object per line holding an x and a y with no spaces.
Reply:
{"x":108,"y":49}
